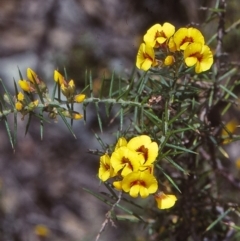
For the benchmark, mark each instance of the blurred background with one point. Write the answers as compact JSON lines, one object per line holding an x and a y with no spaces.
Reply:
{"x":41,"y":195}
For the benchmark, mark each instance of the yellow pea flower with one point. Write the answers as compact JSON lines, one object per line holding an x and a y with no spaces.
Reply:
{"x":118,"y":185}
{"x":18,"y":106}
{"x":231,"y":126}
{"x":76,"y":116}
{"x":121,"y":142}
{"x":32,"y":76}
{"x":41,"y":230}
{"x":145,"y":57}
{"x":198,"y":55}
{"x":158,"y":34}
{"x":237,"y":163}
{"x":139,"y":183}
{"x":58,"y":77}
{"x":79,"y":98}
{"x":169,"y":60}
{"x":20,"y":96}
{"x":24,"y":85}
{"x":184,"y":36}
{"x":105,"y":170}
{"x":171,"y":45}
{"x":165,"y":201}
{"x":72,"y":114}
{"x":125,"y":160}
{"x":144,"y":145}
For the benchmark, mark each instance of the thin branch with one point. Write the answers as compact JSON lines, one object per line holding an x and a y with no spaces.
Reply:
{"x":108,"y":217}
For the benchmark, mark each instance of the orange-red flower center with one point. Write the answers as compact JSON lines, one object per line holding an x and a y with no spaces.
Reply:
{"x":146,"y":56}
{"x":127,"y":162}
{"x":160,"y":34}
{"x":138,"y":182}
{"x":144,"y":151}
{"x":186,"y":39}
{"x":197,"y":55}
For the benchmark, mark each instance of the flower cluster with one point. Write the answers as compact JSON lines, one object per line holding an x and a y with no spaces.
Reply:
{"x":68,"y":88}
{"x":162,"y":46}
{"x":132,"y":167}
{"x":24,"y":102}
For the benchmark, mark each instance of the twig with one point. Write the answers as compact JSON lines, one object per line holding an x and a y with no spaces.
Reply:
{"x":220,"y":33}
{"x":108,"y":217}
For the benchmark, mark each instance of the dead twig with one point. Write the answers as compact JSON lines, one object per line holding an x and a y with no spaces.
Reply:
{"x":108,"y":217}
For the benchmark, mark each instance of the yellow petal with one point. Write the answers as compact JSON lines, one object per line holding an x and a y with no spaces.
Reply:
{"x":118,"y":185}
{"x":165,"y":201}
{"x":143,"y":192}
{"x":41,"y":230}
{"x":18,"y":106}
{"x":76,"y":116}
{"x":184,"y":36}
{"x":58,"y":77}
{"x":145,"y":57}
{"x":134,"y":191}
{"x":24,"y":85}
{"x":20,"y":96}
{"x":79,"y":98}
{"x":121,"y":142}
{"x":190,"y":61}
{"x":169,"y":60}
{"x":32,"y":76}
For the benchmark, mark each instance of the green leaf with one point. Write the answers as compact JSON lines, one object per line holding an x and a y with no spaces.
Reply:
{"x":9,"y":133}
{"x":169,"y":178}
{"x":180,"y":148}
{"x":66,"y":123}
{"x":98,"y":117}
{"x":7,"y":93}
{"x":54,"y":90}
{"x":176,"y":165}
{"x":111,"y":85}
{"x":228,"y":74}
{"x":228,"y":91}
{"x":28,"y":122}
{"x":222,"y":216}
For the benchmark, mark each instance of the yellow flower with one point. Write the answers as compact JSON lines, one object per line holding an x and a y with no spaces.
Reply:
{"x":79,"y":98}
{"x":105,"y":170}
{"x":144,"y":145}
{"x":32,"y":76}
{"x":20,"y":96}
{"x":198,"y":55}
{"x":231,"y":126}
{"x":149,"y":169}
{"x":72,"y":114}
{"x":238,"y":163}
{"x":18,"y":106}
{"x":145,"y":57}
{"x":171,"y":45}
{"x":24,"y":85}
{"x":118,"y":185}
{"x":58,"y":78}
{"x":68,"y":89}
{"x":165,"y":201}
{"x":76,"y":116}
{"x":32,"y":105}
{"x":158,"y":34}
{"x":41,"y":230}
{"x":125,"y":160}
{"x":121,"y":142}
{"x":142,"y":183}
{"x":169,"y":60}
{"x":184,"y":36}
